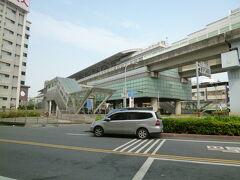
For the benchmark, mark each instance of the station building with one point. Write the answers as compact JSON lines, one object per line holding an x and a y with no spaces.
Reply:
{"x":161,"y":90}
{"x":14,"y":42}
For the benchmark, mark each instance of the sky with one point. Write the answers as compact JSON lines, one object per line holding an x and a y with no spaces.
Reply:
{"x":70,"y":35}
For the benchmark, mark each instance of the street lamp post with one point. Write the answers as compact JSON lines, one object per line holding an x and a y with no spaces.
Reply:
{"x":125,"y":87}
{"x":125,"y":84}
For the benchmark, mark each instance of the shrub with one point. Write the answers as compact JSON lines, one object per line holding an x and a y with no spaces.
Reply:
{"x":20,"y":113}
{"x":28,"y":107}
{"x":12,"y":124}
{"x":209,"y":125}
{"x":98,"y":118}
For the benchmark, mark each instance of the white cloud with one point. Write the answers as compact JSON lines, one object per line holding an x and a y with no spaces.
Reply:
{"x":90,"y":38}
{"x":130,"y":25}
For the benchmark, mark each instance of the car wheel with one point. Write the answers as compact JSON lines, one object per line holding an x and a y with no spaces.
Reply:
{"x":142,"y":133}
{"x":98,"y":131}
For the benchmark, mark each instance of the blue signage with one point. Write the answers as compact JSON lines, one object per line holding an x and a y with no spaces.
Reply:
{"x":131,"y":93}
{"x":89,"y":104}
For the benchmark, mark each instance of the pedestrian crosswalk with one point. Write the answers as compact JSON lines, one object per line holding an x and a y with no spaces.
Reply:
{"x":141,"y":146}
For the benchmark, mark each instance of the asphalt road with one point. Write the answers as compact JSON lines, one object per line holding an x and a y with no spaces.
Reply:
{"x":71,"y":152}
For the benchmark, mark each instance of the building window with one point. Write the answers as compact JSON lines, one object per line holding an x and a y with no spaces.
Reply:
{"x":23,"y":73}
{"x":22,"y":82}
{"x":25,"y":54}
{"x":24,"y":63}
{"x":5,"y":87}
{"x":26,"y":36}
{"x":28,"y":28}
{"x":25,"y":45}
{"x":4,"y":98}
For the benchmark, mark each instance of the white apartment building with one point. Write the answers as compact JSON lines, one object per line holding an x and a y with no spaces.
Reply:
{"x":217,"y":92}
{"x":14,"y":41}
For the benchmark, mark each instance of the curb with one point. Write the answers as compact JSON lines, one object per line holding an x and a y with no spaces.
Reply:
{"x":199,"y":136}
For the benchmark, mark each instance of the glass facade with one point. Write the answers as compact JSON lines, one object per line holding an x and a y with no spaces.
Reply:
{"x":168,"y":85}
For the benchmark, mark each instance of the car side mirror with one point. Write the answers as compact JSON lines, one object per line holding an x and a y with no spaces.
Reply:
{"x":107,"y":119}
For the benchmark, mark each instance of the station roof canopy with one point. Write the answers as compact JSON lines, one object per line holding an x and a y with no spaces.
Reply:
{"x":104,"y":64}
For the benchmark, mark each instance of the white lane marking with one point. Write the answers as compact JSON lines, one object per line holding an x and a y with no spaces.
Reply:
{"x":159,"y":146}
{"x":151,"y":146}
{"x":224,"y":149}
{"x":72,"y":134}
{"x":197,"y":162}
{"x":145,"y":145}
{"x":124,"y":145}
{"x":188,"y":140}
{"x":137,"y":146}
{"x":143,"y":170}
{"x":130,"y":145}
{"x":6,"y":178}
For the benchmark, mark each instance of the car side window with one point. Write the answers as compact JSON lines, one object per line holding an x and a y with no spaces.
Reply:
{"x":132,"y":115}
{"x":147,"y":115}
{"x":118,"y":116}
{"x":139,"y":115}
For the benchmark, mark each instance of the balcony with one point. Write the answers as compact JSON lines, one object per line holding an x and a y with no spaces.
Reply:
{"x":7,"y":47}
{"x":9,"y":37}
{"x":5,"y":70}
{"x":4,"y":81}
{"x":3,"y":92}
{"x":3,"y":103}
{"x":11,"y":16}
{"x":10,"y":26}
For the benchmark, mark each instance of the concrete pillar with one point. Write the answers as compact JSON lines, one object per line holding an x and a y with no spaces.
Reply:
{"x":154,"y":103}
{"x":178,"y":108}
{"x":57,"y":111}
{"x":49,"y":107}
{"x":234,"y":86}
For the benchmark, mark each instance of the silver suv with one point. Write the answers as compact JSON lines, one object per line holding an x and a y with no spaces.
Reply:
{"x":139,"y":122}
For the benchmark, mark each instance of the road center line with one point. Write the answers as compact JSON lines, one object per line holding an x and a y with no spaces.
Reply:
{"x":143,"y":170}
{"x":163,"y":156}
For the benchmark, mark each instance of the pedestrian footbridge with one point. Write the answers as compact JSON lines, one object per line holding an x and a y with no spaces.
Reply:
{"x":66,"y":95}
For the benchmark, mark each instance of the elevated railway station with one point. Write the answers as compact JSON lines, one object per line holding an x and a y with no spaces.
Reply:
{"x":158,"y":76}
